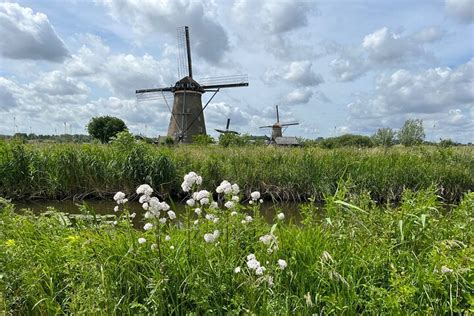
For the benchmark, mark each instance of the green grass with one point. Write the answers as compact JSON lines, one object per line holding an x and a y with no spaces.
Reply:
{"x":384,"y":260}
{"x":68,"y":170}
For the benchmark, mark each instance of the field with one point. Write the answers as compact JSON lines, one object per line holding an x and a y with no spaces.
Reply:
{"x":382,"y":231}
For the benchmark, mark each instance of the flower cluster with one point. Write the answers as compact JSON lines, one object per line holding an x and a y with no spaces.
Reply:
{"x":189,"y":180}
{"x":119,"y":198}
{"x":254,"y":264}
{"x":255,"y":197}
{"x":211,"y":237}
{"x":227,"y":188}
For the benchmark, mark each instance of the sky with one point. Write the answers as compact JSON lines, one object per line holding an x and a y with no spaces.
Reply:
{"x":334,"y":66}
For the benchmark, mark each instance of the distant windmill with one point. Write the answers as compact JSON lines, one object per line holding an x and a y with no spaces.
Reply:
{"x":187,"y":118}
{"x":227,"y":131}
{"x":277,"y":134}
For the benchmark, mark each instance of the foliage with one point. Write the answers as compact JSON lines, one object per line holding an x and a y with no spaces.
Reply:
{"x":230,"y":139}
{"x":104,"y":128}
{"x":353,"y":257}
{"x":447,"y":143}
{"x":203,"y":139}
{"x":60,"y":171}
{"x":412,"y":133}
{"x":124,"y":140}
{"x":347,"y":140}
{"x":384,"y":137}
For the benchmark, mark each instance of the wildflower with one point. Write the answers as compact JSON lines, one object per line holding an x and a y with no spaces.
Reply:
{"x":248,"y":218}
{"x":235,"y":189}
{"x":253,"y":264}
{"x":251,"y":257}
{"x":260,"y":270}
{"x":445,"y":270}
{"x":141,"y":240}
{"x":261,"y":200}
{"x":210,"y":217}
{"x":171,"y":214}
{"x":145,"y":206}
{"x":233,"y":213}
{"x":189,"y":180}
{"x":204,"y":201}
{"x":215,"y":220}
{"x":148,"y":215}
{"x":237,"y":270}
{"x":229,"y":204}
{"x":116,"y":208}
{"x":213,"y":205}
{"x":282,"y":264}
{"x":224,"y":187}
{"x":243,"y":221}
{"x":133,"y":215}
{"x":270,"y":281}
{"x":115,"y":223}
{"x":281,"y":216}
{"x":235,"y":198}
{"x":251,"y":202}
{"x":162,"y":220}
{"x":255,"y":195}
{"x":196,"y":222}
{"x":267,"y":239}
{"x":154,"y":246}
{"x":198,"y":211}
{"x":167,"y":238}
{"x":172,"y":247}
{"x":148,"y":226}
{"x":144,"y":189}
{"x":210,"y":238}
{"x":164,"y":206}
{"x":143,"y":199}
{"x":119,"y":197}
{"x":201,"y":195}
{"x":190,"y":202}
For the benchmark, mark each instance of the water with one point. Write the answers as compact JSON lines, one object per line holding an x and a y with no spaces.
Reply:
{"x":106,"y":207}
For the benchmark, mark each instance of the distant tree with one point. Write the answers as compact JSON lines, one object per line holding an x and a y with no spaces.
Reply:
{"x":229,"y":139}
{"x":412,"y":133}
{"x":203,"y":139}
{"x":446,"y":143}
{"x":347,"y":140}
{"x":384,"y":137}
{"x":104,"y":128}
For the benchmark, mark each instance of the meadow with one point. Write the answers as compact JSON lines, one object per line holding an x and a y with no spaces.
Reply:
{"x":62,"y":171}
{"x":352,"y":256}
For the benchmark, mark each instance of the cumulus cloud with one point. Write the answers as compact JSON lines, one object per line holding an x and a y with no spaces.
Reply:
{"x":384,"y":49}
{"x":7,"y":100}
{"x":299,"y":96}
{"x":208,"y":38}
{"x":461,"y":10}
{"x":442,"y":95}
{"x":297,"y":73}
{"x":28,"y":35}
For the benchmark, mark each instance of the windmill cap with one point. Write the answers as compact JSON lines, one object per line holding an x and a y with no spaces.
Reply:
{"x":188,"y":83}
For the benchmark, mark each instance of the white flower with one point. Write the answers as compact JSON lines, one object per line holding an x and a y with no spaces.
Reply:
{"x":229,"y":204}
{"x":250,"y":202}
{"x":189,"y":180}
{"x":141,"y":240}
{"x":116,"y":208}
{"x":204,"y":201}
{"x":237,"y":270}
{"x":243,"y":221}
{"x":224,"y":187}
{"x":255,"y":195}
{"x":190,"y":202}
{"x":445,"y":270}
{"x":145,"y":206}
{"x":133,"y":215}
{"x":167,"y":238}
{"x":115,"y":223}
{"x":281,"y":216}
{"x":210,"y":217}
{"x":162,"y":220}
{"x":144,"y":189}
{"x":196,"y":222}
{"x":143,"y":199}
{"x":164,"y":206}
{"x":253,"y":264}
{"x":248,"y":218}
{"x":267,"y":239}
{"x":270,"y":281}
{"x":198,"y":180}
{"x":260,"y":270}
{"x":261,"y":201}
{"x":148,"y":215}
{"x":201,"y":195}
{"x":119,"y":196}
{"x":213,"y":205}
{"x":235,"y":198}
{"x":282,"y":264}
{"x":210,"y":238}
{"x":154,"y":246}
{"x":251,"y":257}
{"x":198,"y":211}
{"x":171,"y":214}
{"x":172,"y":247}
{"x":148,"y":226}
{"x":235,"y":189}
{"x":233,"y":213}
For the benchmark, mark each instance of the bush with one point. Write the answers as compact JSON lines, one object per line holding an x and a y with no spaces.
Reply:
{"x":203,"y":139}
{"x":104,"y":128}
{"x":412,"y":133}
{"x":346,"y":140}
{"x":384,"y":137}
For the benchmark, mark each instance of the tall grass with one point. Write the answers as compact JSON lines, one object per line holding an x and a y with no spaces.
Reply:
{"x":68,"y":170}
{"x":353,"y":257}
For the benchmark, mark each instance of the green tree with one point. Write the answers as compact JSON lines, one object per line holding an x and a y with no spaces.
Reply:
{"x":203,"y":139}
{"x":104,"y":128}
{"x":384,"y":137}
{"x":412,"y":133}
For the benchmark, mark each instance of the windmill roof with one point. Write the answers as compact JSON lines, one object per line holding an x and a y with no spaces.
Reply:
{"x":187,"y":83}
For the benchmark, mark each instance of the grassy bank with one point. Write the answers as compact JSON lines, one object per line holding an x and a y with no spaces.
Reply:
{"x":67,"y":170}
{"x":357,"y":258}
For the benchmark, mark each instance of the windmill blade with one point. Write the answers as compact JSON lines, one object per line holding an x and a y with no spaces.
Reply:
{"x":184,"y":52}
{"x":150,"y":96}
{"x":289,"y":124}
{"x":226,"y":131}
{"x":224,"y":82}
{"x":278,"y":114}
{"x":228,"y":123}
{"x":267,"y":126}
{"x":168,"y":89}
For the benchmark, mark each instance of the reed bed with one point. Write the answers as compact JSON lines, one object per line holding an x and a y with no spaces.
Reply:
{"x":79,"y":171}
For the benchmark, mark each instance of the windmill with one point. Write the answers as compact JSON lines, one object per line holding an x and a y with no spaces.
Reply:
{"x":226,"y":131}
{"x":277,"y":134}
{"x":187,"y":117}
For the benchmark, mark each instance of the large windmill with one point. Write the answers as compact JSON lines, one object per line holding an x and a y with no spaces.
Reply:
{"x":187,"y":118}
{"x":277,"y":134}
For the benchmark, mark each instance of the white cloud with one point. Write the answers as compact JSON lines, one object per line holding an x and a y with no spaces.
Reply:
{"x":208,"y":38}
{"x":299,"y":96}
{"x":28,"y":35}
{"x":300,"y":73}
{"x":462,"y":10}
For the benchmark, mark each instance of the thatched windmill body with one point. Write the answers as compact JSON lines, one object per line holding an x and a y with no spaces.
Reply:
{"x":187,"y":114}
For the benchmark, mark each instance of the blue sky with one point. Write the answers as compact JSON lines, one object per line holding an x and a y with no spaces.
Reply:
{"x":334,"y":66}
